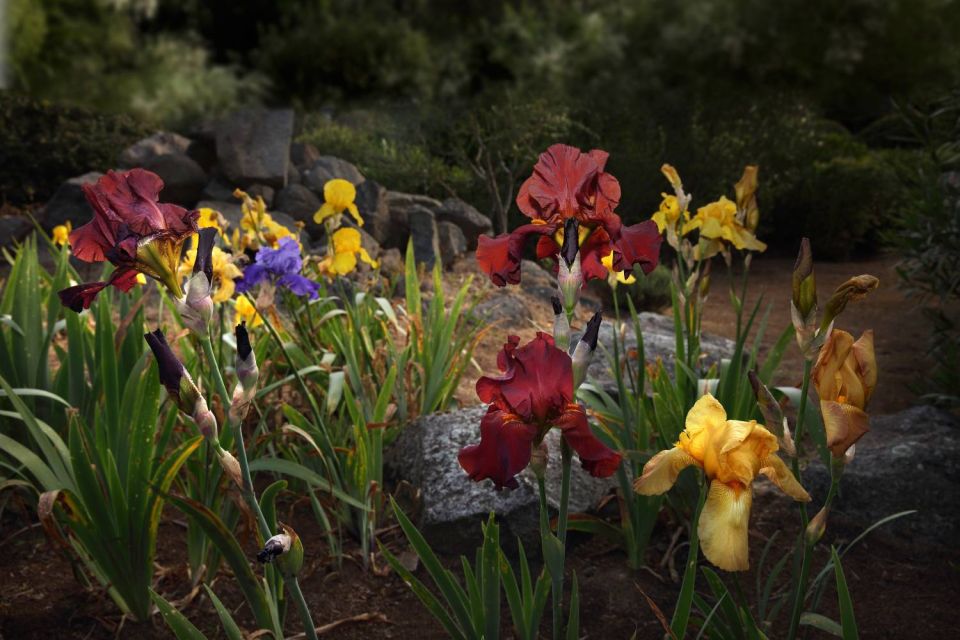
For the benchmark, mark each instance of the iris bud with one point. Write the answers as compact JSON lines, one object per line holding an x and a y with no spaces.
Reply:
{"x":816,"y":527}
{"x":855,"y":288}
{"x":561,"y":326}
{"x":285,"y":550}
{"x":230,"y":466}
{"x":583,"y":353}
{"x":196,"y":309}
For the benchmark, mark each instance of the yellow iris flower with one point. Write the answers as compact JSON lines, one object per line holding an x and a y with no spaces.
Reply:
{"x":224,"y":271}
{"x":338,"y":196}
{"x":668,"y":214}
{"x":845,"y":376}
{"x":718,"y":224}
{"x":732,"y":453}
{"x":246,"y":312}
{"x":61,"y":234}
{"x":346,"y":247}
{"x":257,"y":226}
{"x":210,"y":218}
{"x":616,"y":277}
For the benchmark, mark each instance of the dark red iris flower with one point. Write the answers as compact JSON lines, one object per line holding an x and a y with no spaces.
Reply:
{"x":131,"y":229}
{"x":567,"y":183}
{"x":534,"y":394}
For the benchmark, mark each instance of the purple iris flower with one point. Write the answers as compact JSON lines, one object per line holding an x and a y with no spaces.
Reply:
{"x":281,"y":265}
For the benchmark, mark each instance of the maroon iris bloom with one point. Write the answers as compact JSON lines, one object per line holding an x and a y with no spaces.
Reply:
{"x":534,"y":394}
{"x":132,"y":230}
{"x":567,"y":183}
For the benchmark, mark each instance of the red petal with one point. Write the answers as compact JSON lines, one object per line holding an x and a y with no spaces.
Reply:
{"x":124,"y":279}
{"x":503,"y":452}
{"x":636,"y":244}
{"x":558,"y":184}
{"x":597,"y":458}
{"x":500,"y":257}
{"x":81,"y":296}
{"x":537,"y":381}
{"x":592,"y":251}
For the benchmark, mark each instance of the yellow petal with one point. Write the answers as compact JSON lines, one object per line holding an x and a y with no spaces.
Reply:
{"x":776,"y":469}
{"x":671,"y":174}
{"x":352,"y":208}
{"x":866,"y":360}
{"x":661,"y":219}
{"x":661,"y":471}
{"x":325,"y":211}
{"x":844,"y":424}
{"x":343,"y":263}
{"x":224,"y":290}
{"x":346,"y":240}
{"x":339,"y":193}
{"x":366,"y":258}
{"x":723,"y":526}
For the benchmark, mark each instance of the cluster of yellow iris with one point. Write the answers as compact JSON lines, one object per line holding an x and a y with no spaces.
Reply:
{"x":345,"y":243}
{"x":722,"y":223}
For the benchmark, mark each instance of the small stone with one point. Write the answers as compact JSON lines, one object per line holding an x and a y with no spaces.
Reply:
{"x":300,"y":204}
{"x":391,"y":262}
{"x":13,"y":229}
{"x":159,"y":144}
{"x":453,"y":243}
{"x":217,"y":189}
{"x":262,"y":190}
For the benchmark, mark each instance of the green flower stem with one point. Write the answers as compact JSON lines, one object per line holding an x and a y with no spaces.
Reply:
{"x":248,"y":492}
{"x":293,"y":585}
{"x":804,"y":547}
{"x":681,"y":614}
{"x":566,"y":457}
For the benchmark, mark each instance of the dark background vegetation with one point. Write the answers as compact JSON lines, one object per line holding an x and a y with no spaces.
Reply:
{"x":458,"y":96}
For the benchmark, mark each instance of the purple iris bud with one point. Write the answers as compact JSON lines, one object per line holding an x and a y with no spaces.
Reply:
{"x":171,"y":371}
{"x":243,"y":341}
{"x":557,"y":305}
{"x":204,"y":260}
{"x":592,"y":334}
{"x":571,"y":241}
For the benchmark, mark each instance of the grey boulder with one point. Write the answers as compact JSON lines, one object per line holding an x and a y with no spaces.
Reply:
{"x":13,"y":229}
{"x":908,"y":460}
{"x":300,"y":204}
{"x":253,"y":146}
{"x":452,"y":506}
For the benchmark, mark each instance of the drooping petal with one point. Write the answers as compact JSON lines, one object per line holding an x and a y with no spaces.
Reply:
{"x":637,"y":244}
{"x":500,"y":257}
{"x":503,"y":450}
{"x":662,"y":470}
{"x":252,"y":276}
{"x":866,"y":360}
{"x":723,"y":526}
{"x":299,"y":285}
{"x":598,"y":459}
{"x":592,"y":251}
{"x":81,"y":296}
{"x":844,"y":425}
{"x":776,"y":469}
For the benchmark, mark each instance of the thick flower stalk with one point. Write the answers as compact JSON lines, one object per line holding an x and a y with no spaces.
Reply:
{"x":133,"y":231}
{"x":281,"y":267}
{"x":534,"y":394}
{"x":185,"y":394}
{"x":845,"y":376}
{"x":732,"y":453}
{"x":567,"y":183}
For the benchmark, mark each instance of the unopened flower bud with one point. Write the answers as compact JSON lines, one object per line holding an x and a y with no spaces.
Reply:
{"x":772,"y":413}
{"x":539,"y":454}
{"x":583,"y":354}
{"x":230,"y":466}
{"x":285,"y":550}
{"x":561,"y":326}
{"x":816,"y":527}
{"x":569,"y":282}
{"x":246,"y":364}
{"x":206,"y":421}
{"x":173,"y":376}
{"x":196,"y":309}
{"x":855,"y":288}
{"x":571,"y":241}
